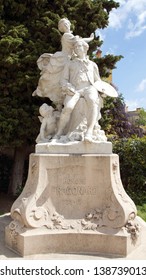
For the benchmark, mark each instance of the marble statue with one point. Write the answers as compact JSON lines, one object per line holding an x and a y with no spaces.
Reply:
{"x":51,"y":65}
{"x":48,"y":121}
{"x":73,"y":200}
{"x":73,"y":83}
{"x":77,"y":82}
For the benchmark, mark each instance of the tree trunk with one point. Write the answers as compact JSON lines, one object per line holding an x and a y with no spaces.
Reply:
{"x":16,"y":180}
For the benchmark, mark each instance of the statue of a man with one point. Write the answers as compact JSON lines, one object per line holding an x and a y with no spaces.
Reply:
{"x":78,"y":79}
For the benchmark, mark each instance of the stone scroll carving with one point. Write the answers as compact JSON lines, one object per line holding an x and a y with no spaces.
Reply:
{"x":37,"y":206}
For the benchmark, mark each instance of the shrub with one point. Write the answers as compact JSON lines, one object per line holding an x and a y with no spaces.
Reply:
{"x":142,"y":211}
{"x":132,"y":156}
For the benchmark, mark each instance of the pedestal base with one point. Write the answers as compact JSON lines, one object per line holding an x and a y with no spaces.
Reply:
{"x":40,"y":241}
{"x":75,"y":204}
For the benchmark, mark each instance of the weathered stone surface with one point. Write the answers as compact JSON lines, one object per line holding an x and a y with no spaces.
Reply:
{"x":75,"y":147}
{"x":72,"y":81}
{"x":74,"y":198}
{"x":40,"y":241}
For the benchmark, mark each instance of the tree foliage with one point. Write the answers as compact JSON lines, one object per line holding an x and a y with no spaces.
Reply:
{"x":28,"y":28}
{"x":141,"y":121}
{"x":115,"y":120}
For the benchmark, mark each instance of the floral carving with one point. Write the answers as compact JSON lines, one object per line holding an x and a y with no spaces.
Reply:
{"x":133,"y":228}
{"x":15,"y":228}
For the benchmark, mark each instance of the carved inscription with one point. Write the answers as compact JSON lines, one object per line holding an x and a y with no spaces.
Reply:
{"x":70,"y":202}
{"x":76,"y":179}
{"x":72,"y":196}
{"x":74,"y":190}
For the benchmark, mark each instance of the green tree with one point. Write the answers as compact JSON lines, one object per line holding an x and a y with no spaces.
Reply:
{"x":28,"y":28}
{"x":141,"y":121}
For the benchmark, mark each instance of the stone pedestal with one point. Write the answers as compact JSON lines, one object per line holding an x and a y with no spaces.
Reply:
{"x":73,"y":203}
{"x":75,"y":147}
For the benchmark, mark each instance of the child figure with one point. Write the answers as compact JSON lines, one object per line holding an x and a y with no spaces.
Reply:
{"x":48,"y":121}
{"x":52,"y":65}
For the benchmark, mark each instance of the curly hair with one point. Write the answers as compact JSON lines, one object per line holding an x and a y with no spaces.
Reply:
{"x":61,"y":23}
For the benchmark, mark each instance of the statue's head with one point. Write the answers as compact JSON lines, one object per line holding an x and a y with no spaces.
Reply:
{"x":45,"y":109}
{"x":81,"y":45}
{"x":64,"y":25}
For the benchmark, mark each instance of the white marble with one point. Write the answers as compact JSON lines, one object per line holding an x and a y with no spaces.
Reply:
{"x":48,"y":118}
{"x":78,"y":78}
{"x":92,"y":244}
{"x":75,"y":147}
{"x":72,"y":81}
{"x":73,"y":199}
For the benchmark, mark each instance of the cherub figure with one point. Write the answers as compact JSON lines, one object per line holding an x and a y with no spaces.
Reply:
{"x":52,"y":65}
{"x":48,"y":118}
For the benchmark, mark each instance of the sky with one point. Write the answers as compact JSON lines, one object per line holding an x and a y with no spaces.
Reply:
{"x":126,"y":36}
